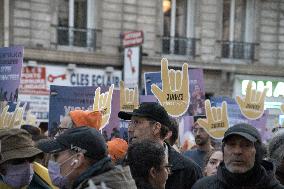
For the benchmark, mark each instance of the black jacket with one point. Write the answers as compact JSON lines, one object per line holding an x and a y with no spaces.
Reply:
{"x":142,"y":184}
{"x":259,"y":177}
{"x":184,"y":171}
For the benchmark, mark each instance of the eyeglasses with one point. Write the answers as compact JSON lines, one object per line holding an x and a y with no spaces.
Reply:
{"x":139,"y":122}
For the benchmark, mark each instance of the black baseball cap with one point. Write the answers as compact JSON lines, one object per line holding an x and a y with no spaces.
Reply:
{"x":151,"y":110}
{"x":245,"y":130}
{"x":83,"y":138}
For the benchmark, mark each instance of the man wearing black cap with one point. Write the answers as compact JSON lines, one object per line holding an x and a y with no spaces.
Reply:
{"x":203,"y":143}
{"x":80,"y":155}
{"x":151,"y":121}
{"x":243,"y":166}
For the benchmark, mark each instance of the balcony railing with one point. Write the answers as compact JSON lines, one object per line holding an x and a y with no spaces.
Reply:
{"x":238,"y":50}
{"x":178,"y":46}
{"x":77,"y":37}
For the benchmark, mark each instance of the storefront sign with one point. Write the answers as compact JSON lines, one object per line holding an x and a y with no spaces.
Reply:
{"x":132,"y":38}
{"x":36,"y":81}
{"x":275,"y":88}
{"x":131,"y":72}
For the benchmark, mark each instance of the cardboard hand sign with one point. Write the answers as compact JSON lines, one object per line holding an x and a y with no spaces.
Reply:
{"x":252,"y":105}
{"x":128,"y":98}
{"x":12,"y":119}
{"x":282,"y":108}
{"x":216,"y":122}
{"x":102,"y":103}
{"x":30,"y":120}
{"x":174,"y":95}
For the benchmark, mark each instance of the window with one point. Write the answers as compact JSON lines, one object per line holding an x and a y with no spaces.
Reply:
{"x":76,"y":23}
{"x":178,"y":26}
{"x":238,"y":21}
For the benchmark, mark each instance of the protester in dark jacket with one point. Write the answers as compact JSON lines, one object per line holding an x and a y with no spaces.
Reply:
{"x":243,"y":166}
{"x":80,"y":155}
{"x":260,"y":177}
{"x":276,"y":154}
{"x":184,"y":172}
{"x":151,"y":121}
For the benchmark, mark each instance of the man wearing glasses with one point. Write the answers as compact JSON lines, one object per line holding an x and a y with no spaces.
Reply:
{"x":151,"y":121}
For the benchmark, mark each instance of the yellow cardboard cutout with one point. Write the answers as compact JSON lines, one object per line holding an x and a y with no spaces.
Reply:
{"x":216,"y":122}
{"x":174,"y":95}
{"x":12,"y":119}
{"x":30,"y":119}
{"x":282,"y":108}
{"x":252,"y":105}
{"x":128,"y":98}
{"x":102,"y":102}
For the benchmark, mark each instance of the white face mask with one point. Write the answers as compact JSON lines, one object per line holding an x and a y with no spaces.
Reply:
{"x":19,"y":175}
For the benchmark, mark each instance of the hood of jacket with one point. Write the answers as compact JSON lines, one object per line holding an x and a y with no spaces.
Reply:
{"x":119,"y":178}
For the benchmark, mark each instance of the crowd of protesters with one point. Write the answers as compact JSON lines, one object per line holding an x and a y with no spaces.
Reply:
{"x":78,"y":156}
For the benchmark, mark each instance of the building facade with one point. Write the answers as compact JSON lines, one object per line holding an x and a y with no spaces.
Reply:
{"x":231,"y":40}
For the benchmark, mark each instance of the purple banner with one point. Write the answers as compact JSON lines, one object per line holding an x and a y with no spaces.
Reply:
{"x":147,"y":98}
{"x":64,"y":99}
{"x":11,"y":61}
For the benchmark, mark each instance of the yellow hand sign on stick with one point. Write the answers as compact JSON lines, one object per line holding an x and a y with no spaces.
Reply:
{"x":128,"y":98}
{"x":252,"y":105}
{"x":216,"y":122}
{"x":30,"y":119}
{"x":174,"y":95}
{"x":12,"y":119}
{"x":102,"y":103}
{"x":282,"y":108}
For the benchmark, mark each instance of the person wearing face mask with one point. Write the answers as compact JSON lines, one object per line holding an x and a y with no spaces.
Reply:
{"x":80,"y":155}
{"x":17,"y":152}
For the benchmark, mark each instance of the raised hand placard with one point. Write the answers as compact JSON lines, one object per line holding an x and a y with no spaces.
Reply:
{"x":102,"y":103}
{"x":129,"y":98}
{"x":174,"y":95}
{"x":252,"y":105}
{"x":216,"y":122}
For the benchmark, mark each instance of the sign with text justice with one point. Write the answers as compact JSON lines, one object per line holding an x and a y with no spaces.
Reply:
{"x":11,"y":60}
{"x":252,"y":105}
{"x":174,"y":95}
{"x":216,"y":122}
{"x":129,"y":98}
